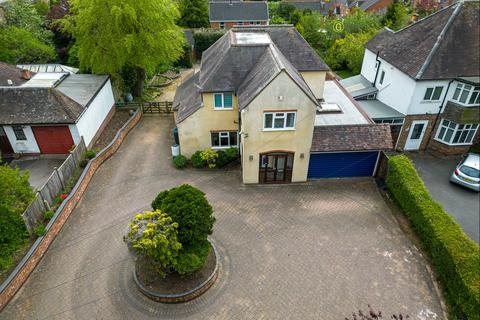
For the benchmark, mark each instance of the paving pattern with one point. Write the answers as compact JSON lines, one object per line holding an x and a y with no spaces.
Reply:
{"x":318,"y":250}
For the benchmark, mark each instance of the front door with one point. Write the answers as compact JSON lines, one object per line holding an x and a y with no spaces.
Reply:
{"x":276,"y":167}
{"x":5,"y":146}
{"x":415,"y":136}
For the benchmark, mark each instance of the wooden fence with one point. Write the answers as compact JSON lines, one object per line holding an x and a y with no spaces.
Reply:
{"x":52,"y":188}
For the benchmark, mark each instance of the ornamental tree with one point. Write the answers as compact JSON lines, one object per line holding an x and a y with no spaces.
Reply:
{"x":189,"y":208}
{"x":153,"y":235}
{"x":111,"y":34}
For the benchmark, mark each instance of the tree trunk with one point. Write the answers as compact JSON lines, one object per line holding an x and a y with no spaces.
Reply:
{"x":138,"y":88}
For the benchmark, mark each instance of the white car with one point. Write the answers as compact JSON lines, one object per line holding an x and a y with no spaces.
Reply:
{"x":467,"y":172}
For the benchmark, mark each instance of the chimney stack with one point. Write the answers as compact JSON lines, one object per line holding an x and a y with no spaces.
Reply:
{"x":26,"y":74}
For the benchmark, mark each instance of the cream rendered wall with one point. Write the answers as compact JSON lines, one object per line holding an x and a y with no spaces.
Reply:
{"x":194,"y":132}
{"x":316,"y":81}
{"x":256,"y":141}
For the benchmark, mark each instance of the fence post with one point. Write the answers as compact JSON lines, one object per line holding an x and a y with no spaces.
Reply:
{"x":59,"y":178}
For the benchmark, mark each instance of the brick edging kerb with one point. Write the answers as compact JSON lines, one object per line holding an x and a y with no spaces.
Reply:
{"x":28,"y":263}
{"x":185,"y":296}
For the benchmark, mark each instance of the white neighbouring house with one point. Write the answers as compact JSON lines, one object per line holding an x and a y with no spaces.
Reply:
{"x":49,"y":112}
{"x":424,"y":80}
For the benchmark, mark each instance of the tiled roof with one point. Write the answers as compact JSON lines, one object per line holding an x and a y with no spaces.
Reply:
{"x":443,"y":45}
{"x":238,"y":10}
{"x":351,"y":138}
{"x":26,"y":105}
{"x":10,"y":72}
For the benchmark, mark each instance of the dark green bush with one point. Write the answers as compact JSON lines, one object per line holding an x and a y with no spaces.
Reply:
{"x":39,"y":229}
{"x":189,"y":207}
{"x":197,"y":161}
{"x":13,"y":235}
{"x":232,"y":153}
{"x":48,"y":215}
{"x":204,"y":39}
{"x":83,"y":163}
{"x":455,"y":256}
{"x":222,"y":159}
{"x":15,"y":190}
{"x":90,"y":154}
{"x":180,"y":162}
{"x":192,"y":259}
{"x":186,"y":60}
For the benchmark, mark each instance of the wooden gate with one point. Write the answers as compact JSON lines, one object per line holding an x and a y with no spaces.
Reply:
{"x":157,"y":107}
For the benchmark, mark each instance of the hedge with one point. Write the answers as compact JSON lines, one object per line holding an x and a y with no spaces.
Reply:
{"x":454,"y":255}
{"x":204,"y":38}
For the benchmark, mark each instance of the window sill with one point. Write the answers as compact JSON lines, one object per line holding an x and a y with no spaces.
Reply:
{"x":430,"y":101}
{"x":453,"y":144}
{"x":220,"y":148}
{"x":282,"y":129}
{"x":223,"y":109}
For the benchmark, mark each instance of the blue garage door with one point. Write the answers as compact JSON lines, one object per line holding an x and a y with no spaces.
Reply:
{"x":343,"y":164}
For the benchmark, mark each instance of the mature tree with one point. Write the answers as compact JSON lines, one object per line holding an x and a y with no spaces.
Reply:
{"x":397,"y":15}
{"x":110,"y":34}
{"x":21,"y":46}
{"x":194,"y":14}
{"x":22,"y":14}
{"x":347,"y":53}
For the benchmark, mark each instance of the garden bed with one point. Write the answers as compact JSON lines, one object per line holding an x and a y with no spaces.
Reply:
{"x":116,"y":123}
{"x":175,"y":288}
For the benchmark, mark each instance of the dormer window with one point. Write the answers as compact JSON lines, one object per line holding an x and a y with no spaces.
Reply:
{"x":467,"y":94}
{"x":223,"y":100}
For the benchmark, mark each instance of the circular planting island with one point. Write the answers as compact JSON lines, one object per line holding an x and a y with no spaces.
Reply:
{"x":175,"y":288}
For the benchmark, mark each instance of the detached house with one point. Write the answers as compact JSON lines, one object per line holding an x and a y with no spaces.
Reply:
{"x":325,"y":7}
{"x":424,"y":80}
{"x":49,"y":112}
{"x":228,"y":13}
{"x":266,"y":91}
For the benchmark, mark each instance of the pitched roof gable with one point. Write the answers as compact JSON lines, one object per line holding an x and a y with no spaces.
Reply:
{"x":443,"y":45}
{"x":238,"y":11}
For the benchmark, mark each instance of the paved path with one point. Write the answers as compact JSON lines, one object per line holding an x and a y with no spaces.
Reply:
{"x":305,"y":251}
{"x":463,"y":204}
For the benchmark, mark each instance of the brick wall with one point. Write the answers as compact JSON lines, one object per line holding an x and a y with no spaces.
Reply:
{"x":53,"y":228}
{"x":407,"y":126}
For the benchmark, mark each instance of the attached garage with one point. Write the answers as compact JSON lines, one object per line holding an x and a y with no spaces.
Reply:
{"x":347,"y":150}
{"x":342,"y":164}
{"x":53,"y":139}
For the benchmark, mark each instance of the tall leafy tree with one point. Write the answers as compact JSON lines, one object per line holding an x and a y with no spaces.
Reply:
{"x":111,"y":34}
{"x":21,"y":46}
{"x":397,"y":15}
{"x":193,"y":14}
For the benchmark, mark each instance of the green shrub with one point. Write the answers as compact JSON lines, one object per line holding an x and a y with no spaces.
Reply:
{"x":193,"y":259}
{"x":48,"y":215}
{"x":39,"y":229}
{"x":153,"y":235}
{"x":189,"y":207}
{"x":222,"y":159}
{"x":90,"y":154}
{"x":232,"y":153}
{"x":15,"y":190}
{"x":186,"y":60}
{"x":180,"y":162}
{"x":455,"y":256}
{"x":83,"y":163}
{"x":13,"y":235}
{"x":210,"y":157}
{"x":197,"y":161}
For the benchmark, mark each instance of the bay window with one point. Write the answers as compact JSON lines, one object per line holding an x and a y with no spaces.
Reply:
{"x":224,"y":139}
{"x":467,"y":94}
{"x":279,"y":120}
{"x":452,"y":133}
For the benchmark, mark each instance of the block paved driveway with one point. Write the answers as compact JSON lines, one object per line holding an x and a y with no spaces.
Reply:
{"x":309,"y":251}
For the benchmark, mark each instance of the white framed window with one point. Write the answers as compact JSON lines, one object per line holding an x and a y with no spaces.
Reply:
{"x":452,"y":133}
{"x":382,"y":76}
{"x":279,"y":120}
{"x":467,"y":94}
{"x":222,"y":25}
{"x":224,"y":139}
{"x":19,"y":133}
{"x":433,"y":93}
{"x":223,"y":100}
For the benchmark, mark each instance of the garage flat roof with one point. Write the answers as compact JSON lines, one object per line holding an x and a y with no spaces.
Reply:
{"x":350,"y":113}
{"x":379,"y":110}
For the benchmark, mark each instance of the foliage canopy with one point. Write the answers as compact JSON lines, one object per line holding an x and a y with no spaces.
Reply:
{"x":193,"y":14}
